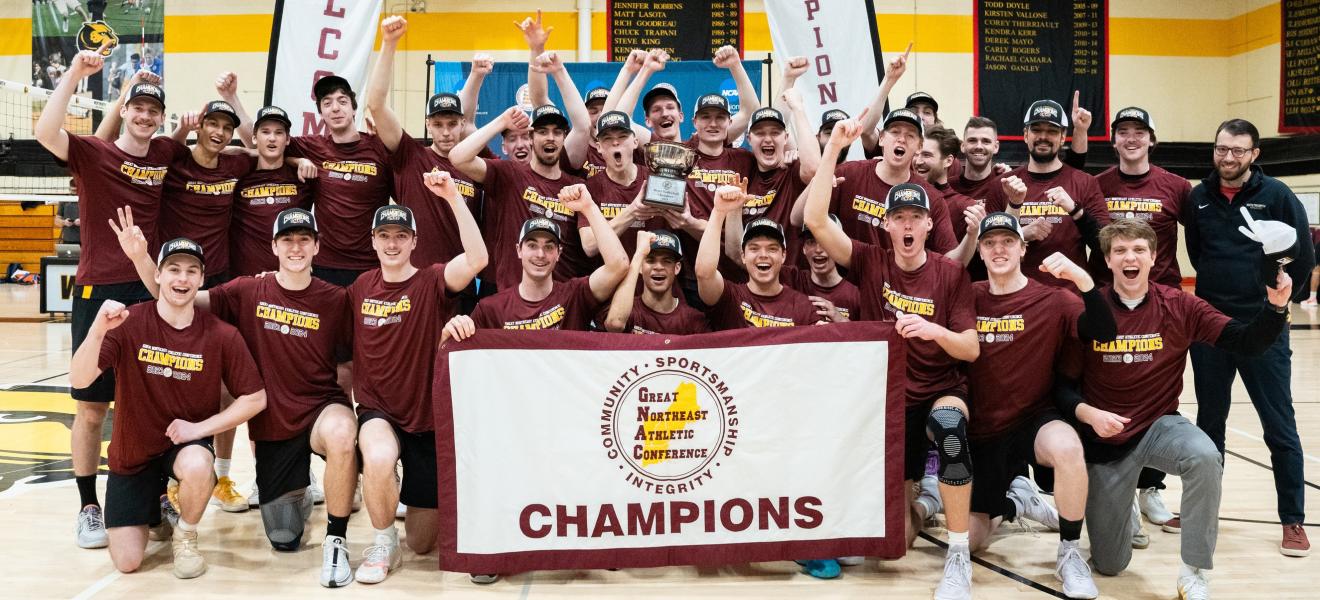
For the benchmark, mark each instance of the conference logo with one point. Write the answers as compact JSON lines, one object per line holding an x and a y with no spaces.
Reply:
{"x":669,"y":424}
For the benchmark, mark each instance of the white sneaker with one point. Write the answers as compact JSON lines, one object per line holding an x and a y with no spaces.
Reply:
{"x":1075,"y":574}
{"x":1194,"y":586}
{"x":1034,"y":506}
{"x":315,"y":489}
{"x":1152,"y":505}
{"x":91,"y":528}
{"x":851,"y":561}
{"x":335,"y":570}
{"x":377,"y":562}
{"x":957,"y":581}
{"x":1140,"y":539}
{"x":253,"y":500}
{"x":928,"y":495}
{"x":188,"y":561}
{"x":400,"y":511}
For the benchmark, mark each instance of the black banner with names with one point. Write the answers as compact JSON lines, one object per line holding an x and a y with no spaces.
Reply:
{"x":1299,"y":83}
{"x":1028,"y":50}
{"x":686,"y":29}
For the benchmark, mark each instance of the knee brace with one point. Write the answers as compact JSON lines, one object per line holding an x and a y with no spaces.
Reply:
{"x":947,"y":427}
{"x":285,"y":518}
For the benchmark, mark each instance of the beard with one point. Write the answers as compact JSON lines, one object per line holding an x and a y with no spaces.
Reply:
{"x":547,"y":160}
{"x":1230,"y":173}
{"x":1043,"y":157}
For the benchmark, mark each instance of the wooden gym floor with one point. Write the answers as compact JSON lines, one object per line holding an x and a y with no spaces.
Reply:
{"x":41,"y":560}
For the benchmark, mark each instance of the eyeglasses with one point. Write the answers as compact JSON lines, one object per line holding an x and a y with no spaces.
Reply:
{"x":1237,"y":152}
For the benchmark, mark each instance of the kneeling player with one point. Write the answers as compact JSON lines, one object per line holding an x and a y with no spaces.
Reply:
{"x":170,"y":360}
{"x":658,"y":309}
{"x":1022,"y":326}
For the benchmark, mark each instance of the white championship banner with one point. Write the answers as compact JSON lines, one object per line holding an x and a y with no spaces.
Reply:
{"x":842,"y":46}
{"x":572,"y":450}
{"x":311,"y":39}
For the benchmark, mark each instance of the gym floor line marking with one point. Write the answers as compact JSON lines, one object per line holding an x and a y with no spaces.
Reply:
{"x":1262,"y":522}
{"x":998,"y":569}
{"x":1257,"y":438}
{"x":1267,"y":467}
{"x":104,"y":582}
{"x":527,"y":586}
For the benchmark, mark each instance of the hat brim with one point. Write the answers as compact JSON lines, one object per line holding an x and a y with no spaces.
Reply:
{"x":653,"y":95}
{"x":601,"y":132}
{"x":763,"y":231}
{"x":548,"y":232}
{"x":324,"y":85}
{"x":232,"y":116}
{"x":164,"y":259}
{"x":1114,"y":126}
{"x":551,"y":120}
{"x":158,"y":101}
{"x":277,"y":118}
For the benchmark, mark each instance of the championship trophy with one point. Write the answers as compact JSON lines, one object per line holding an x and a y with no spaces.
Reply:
{"x":670,"y":164}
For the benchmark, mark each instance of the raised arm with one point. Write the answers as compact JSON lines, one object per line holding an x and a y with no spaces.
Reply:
{"x":630,"y":68}
{"x":134,"y":245}
{"x":378,"y":87}
{"x":655,"y":62}
{"x":461,"y":270}
{"x":464,"y":155}
{"x":227,"y":86}
{"x":1081,"y":121}
{"x":108,"y":130}
{"x":748,"y":102}
{"x":635,"y":211}
{"x":85,"y":366}
{"x":966,"y":249}
{"x":49,"y":129}
{"x":893,"y":72}
{"x":710,"y":284}
{"x":536,"y":36}
{"x":606,"y":277}
{"x":616,"y":320}
{"x":575,"y":143}
{"x":808,"y":149}
{"x":816,"y":214}
{"x":482,"y":65}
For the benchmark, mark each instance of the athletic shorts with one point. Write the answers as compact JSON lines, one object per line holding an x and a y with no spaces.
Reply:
{"x":87,"y":300}
{"x":282,"y":466}
{"x":340,"y":277}
{"x":916,"y":442}
{"x":417,"y":451}
{"x":997,"y":460}
{"x":134,"y":499}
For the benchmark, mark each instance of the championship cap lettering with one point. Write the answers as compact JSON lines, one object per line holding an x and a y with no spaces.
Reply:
{"x":330,"y":83}
{"x":147,"y":90}
{"x":830,"y":117}
{"x":180,"y":246}
{"x":765,"y":228}
{"x":294,"y":218}
{"x":666,"y":240}
{"x":613,"y":121}
{"x":767,"y":114}
{"x":534,"y":225}
{"x":903,"y":115}
{"x":715,"y":101}
{"x":597,"y":94}
{"x":1046,"y":111}
{"x":273,"y":113}
{"x":444,"y":103}
{"x":394,"y":214}
{"x":806,"y":231}
{"x":906,"y":194}
{"x":222,"y":107}
{"x":548,"y":114}
{"x":1133,"y":114}
{"x":999,"y":221}
{"x":916,"y":98}
{"x":660,"y":90}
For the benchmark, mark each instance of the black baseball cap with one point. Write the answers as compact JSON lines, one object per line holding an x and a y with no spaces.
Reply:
{"x":763,"y":227}
{"x":180,"y":246}
{"x":1046,"y":111}
{"x":613,"y":120}
{"x":222,"y":107}
{"x":922,"y":98}
{"x":767,"y":114}
{"x":597,"y":94}
{"x":806,"y":231}
{"x":658,"y":90}
{"x":273,"y":113}
{"x":903,"y":115}
{"x":393,"y":214}
{"x":443,"y":103}
{"x":547,"y":114}
{"x":294,"y":218}
{"x":666,"y":240}
{"x":147,"y":90}
{"x":830,"y":117}
{"x":536,"y":224}
{"x":999,"y":220}
{"x":329,"y":83}
{"x":716,"y":101}
{"x":906,"y":194}
{"x":1133,"y":114}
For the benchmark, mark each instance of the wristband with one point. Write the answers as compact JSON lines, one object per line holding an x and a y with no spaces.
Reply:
{"x":1075,"y":211}
{"x":1279,"y":309}
{"x":1016,"y":206}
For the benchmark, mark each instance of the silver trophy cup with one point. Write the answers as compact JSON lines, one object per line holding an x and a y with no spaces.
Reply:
{"x":670,"y":164}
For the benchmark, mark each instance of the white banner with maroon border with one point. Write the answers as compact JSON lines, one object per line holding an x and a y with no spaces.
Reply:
{"x":314,"y":38}
{"x":572,"y":450}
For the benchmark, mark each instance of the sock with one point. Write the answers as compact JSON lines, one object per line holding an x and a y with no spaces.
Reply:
{"x":1070,"y":531}
{"x":338,"y":525}
{"x":222,"y":467}
{"x":1187,"y":570}
{"x":87,"y":490}
{"x":958,"y":539}
{"x":389,"y":533}
{"x":1010,"y":509}
{"x":186,"y":527}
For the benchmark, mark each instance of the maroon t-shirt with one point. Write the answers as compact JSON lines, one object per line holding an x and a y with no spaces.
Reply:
{"x":294,"y":336}
{"x":570,"y":307}
{"x":396,"y":329}
{"x":198,"y":201}
{"x":845,"y":295}
{"x":613,"y":197}
{"x":1064,"y":237}
{"x":859,"y":202}
{"x":515,"y":193}
{"x":1156,"y":198}
{"x":163,"y":373}
{"x":977,"y":190}
{"x":1139,"y":375}
{"x":938,"y":291}
{"x":437,"y":228}
{"x":711,"y":172}
{"x":683,"y":320}
{"x":108,"y":179}
{"x":1021,"y":334}
{"x":956,"y":203}
{"x":260,"y":197}
{"x":355,"y":180}
{"x":739,"y":308}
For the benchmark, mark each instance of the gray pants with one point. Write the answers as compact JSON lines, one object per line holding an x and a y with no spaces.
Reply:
{"x":1173,"y":445}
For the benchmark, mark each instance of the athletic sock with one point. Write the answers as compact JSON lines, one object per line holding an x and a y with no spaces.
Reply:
{"x":222,"y":467}
{"x":958,"y":538}
{"x":1070,"y":531}
{"x":87,"y":490}
{"x":337,"y":525}
{"x":1010,"y":509}
{"x":1187,"y":570}
{"x":390,"y":534}
{"x":186,"y":527}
